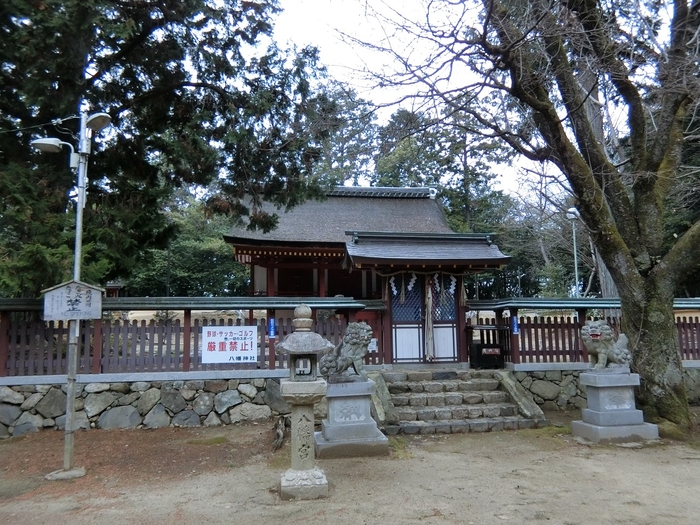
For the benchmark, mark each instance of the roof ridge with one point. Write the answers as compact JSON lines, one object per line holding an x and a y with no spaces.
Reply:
{"x":383,"y":192}
{"x":380,"y":236}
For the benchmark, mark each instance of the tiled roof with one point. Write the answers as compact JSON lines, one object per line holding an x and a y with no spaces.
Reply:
{"x":352,"y":208}
{"x":460,"y":250}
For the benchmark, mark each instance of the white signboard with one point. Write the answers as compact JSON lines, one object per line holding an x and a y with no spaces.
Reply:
{"x":71,"y":301}
{"x":372,"y":346}
{"x":229,"y":344}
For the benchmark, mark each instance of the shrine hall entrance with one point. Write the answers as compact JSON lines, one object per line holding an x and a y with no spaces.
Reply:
{"x":424,"y":317}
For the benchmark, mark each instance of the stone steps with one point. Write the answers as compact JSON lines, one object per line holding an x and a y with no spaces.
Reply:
{"x":452,"y":401}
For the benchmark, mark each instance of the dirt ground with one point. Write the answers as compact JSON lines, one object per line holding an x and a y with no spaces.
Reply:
{"x":231,"y":475}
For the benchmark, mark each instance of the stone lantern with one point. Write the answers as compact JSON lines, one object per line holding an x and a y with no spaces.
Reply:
{"x":302,"y":390}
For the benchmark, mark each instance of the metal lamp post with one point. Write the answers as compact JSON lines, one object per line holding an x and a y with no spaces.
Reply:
{"x":573,"y":215}
{"x":79,"y":160}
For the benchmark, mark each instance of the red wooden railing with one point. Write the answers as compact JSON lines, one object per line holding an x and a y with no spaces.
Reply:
{"x":689,"y":337}
{"x":40,"y":348}
{"x":550,"y":340}
{"x":557,"y":339}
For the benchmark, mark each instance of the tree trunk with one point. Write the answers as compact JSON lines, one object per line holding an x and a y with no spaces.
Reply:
{"x":653,"y":341}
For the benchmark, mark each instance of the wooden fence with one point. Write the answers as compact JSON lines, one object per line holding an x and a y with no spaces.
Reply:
{"x":550,"y":340}
{"x":557,"y":339}
{"x":689,"y":337}
{"x":40,"y":348}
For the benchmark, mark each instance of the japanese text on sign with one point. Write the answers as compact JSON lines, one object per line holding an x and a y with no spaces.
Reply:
{"x":73,"y":300}
{"x":229,"y":344}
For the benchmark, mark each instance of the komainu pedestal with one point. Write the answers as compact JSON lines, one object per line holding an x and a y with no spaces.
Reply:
{"x":611,"y":415}
{"x":349,"y":430}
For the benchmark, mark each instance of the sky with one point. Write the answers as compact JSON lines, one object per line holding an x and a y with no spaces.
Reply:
{"x":318,"y":23}
{"x":321,"y":23}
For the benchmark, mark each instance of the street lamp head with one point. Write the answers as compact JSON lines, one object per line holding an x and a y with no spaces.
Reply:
{"x":54,"y":145}
{"x":49,"y":145}
{"x":572,"y":214}
{"x":98,"y":121}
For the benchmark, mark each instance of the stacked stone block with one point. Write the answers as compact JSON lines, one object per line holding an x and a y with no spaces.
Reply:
{"x":554,"y":390}
{"x":29,"y":408}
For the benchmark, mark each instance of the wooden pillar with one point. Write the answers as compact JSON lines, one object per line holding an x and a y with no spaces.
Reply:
{"x":514,"y":336}
{"x":581,"y":316}
{"x":4,"y":342}
{"x":498,"y":321}
{"x":462,"y":339}
{"x":580,"y":321}
{"x":97,"y":347}
{"x":387,"y":339}
{"x":187,"y":332}
{"x":272,"y":340}
{"x":322,"y":280}
{"x":270,"y":281}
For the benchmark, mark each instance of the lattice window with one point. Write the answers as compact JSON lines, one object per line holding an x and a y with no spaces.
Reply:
{"x":406,"y":297}
{"x":444,"y":291}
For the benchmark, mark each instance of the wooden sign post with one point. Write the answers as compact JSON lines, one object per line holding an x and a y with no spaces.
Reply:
{"x":72,"y":301}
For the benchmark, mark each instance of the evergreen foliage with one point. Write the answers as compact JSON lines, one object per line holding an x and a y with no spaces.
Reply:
{"x":192,"y":101}
{"x":196,"y":263}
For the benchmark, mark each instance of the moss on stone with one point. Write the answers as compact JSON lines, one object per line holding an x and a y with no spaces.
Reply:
{"x":669,"y":430}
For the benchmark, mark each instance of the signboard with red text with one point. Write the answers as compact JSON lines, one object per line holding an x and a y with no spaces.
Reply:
{"x":229,"y":344}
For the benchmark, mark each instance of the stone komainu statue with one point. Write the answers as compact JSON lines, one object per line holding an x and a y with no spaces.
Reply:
{"x":350,"y":353}
{"x":602,"y":348}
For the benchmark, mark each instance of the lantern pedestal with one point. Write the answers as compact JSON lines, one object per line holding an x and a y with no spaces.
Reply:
{"x":302,"y":390}
{"x":304,"y":480}
{"x":350,"y":430}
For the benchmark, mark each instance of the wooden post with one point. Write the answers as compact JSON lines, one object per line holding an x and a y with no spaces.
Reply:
{"x":387,"y":341}
{"x":271,"y":340}
{"x":273,"y":357}
{"x":580,"y":321}
{"x":498,"y":336}
{"x":514,"y":336}
{"x":4,"y":342}
{"x":97,"y":347}
{"x":462,"y":339}
{"x":270,"y":282}
{"x":187,"y":331}
{"x":322,"y":280}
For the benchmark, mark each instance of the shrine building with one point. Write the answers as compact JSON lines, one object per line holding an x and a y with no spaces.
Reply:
{"x":390,"y":250}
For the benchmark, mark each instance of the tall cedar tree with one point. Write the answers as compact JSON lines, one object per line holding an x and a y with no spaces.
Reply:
{"x":191,"y":100}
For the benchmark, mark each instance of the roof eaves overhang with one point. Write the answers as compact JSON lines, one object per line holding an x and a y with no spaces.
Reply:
{"x":459,"y":265}
{"x":358,"y":236}
{"x":274,"y":244}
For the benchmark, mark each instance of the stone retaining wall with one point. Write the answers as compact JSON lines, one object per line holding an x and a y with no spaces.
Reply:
{"x":554,"y":390}
{"x":29,"y":408}
{"x":559,"y":389}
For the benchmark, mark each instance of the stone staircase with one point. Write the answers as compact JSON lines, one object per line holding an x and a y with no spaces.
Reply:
{"x":452,"y":401}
